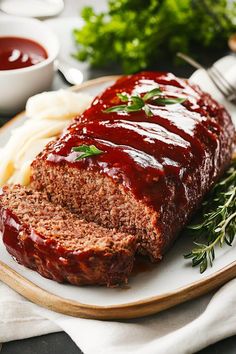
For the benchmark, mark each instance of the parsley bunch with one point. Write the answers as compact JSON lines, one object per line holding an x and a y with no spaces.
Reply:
{"x":136,"y":34}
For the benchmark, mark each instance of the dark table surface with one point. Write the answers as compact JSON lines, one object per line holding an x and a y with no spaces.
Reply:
{"x":60,"y":343}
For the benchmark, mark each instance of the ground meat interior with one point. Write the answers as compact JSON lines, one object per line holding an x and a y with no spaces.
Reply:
{"x":53,"y":221}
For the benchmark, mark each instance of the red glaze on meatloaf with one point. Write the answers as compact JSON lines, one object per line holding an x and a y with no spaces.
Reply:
{"x":154,"y":171}
{"x":55,"y":243}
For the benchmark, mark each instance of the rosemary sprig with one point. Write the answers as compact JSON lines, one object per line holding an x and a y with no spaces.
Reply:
{"x":137,"y":103}
{"x":86,"y":151}
{"x":218,"y":221}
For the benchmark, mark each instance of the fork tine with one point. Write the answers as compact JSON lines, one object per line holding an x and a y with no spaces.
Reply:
{"x":221,"y":81}
{"x":222,"y":85}
{"x":227,"y":83}
{"x":216,"y":82}
{"x":227,"y":90}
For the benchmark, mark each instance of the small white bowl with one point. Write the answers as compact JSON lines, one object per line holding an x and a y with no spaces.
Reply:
{"x":17,"y":85}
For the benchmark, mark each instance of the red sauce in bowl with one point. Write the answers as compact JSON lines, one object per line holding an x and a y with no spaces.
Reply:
{"x":17,"y":53}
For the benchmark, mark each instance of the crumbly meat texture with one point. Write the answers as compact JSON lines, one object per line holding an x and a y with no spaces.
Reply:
{"x":112,"y":205}
{"x":154,"y":170}
{"x":51,"y":240}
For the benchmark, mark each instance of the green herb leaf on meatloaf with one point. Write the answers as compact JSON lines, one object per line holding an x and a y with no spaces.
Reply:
{"x":137,"y":103}
{"x":123,"y":97}
{"x":86,"y":151}
{"x":151,"y":94}
{"x":119,"y":108}
{"x":217,"y":225}
{"x":165,"y":101}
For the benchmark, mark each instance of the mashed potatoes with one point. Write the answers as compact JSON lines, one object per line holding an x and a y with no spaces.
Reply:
{"x":48,"y":114}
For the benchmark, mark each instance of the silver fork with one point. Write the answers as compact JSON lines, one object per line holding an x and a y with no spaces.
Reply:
{"x":227,"y":90}
{"x":222,"y":84}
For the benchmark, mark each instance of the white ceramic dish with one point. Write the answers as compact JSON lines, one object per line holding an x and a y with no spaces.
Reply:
{"x":168,"y":283}
{"x":32,"y":8}
{"x":16,"y":86}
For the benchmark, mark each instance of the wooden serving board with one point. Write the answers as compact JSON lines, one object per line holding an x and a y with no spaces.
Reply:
{"x":159,"y":287}
{"x":125,"y":311}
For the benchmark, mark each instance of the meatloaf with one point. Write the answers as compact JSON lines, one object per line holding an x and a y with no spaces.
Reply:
{"x":155,"y":166}
{"x":53,"y":241}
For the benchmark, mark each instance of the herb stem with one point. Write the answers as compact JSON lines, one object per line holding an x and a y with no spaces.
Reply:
{"x":227,"y":221}
{"x":142,"y":103}
{"x":218,"y":221}
{"x":230,"y":198}
{"x":223,"y":230}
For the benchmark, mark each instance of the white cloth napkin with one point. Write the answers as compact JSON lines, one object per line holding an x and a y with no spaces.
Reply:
{"x":184,"y":329}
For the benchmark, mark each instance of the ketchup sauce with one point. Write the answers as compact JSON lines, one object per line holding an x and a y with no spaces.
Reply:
{"x":155,"y":156}
{"x":18,"y":53}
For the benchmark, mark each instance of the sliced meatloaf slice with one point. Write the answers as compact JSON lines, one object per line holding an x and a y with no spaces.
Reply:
{"x":54,"y":242}
{"x":156,"y":165}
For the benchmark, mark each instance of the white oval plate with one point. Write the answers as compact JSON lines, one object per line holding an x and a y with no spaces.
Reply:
{"x":168,"y":283}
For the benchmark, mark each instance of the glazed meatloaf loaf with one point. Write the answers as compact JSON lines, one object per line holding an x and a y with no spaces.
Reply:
{"x":152,"y":165}
{"x":53,"y":241}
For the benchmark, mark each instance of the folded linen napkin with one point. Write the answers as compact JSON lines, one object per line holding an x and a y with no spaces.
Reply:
{"x":184,"y":329}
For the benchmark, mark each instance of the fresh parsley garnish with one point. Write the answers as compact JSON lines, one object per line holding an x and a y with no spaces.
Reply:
{"x":150,"y":94}
{"x":217,"y":224}
{"x":136,"y":103}
{"x":86,"y":151}
{"x":164,"y":101}
{"x":135,"y":35}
